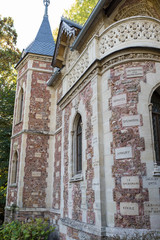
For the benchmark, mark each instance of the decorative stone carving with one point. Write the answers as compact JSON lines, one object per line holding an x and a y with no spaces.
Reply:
{"x":78,"y":69}
{"x":71,"y":58}
{"x":137,"y":28}
{"x":139,"y":7}
{"x":67,"y":29}
{"x":135,"y":31}
{"x":83,"y":236}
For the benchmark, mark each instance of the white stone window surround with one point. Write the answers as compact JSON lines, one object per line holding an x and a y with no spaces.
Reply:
{"x":20,"y":105}
{"x":156,"y":171}
{"x":14,"y":169}
{"x":75,"y":177}
{"x":137,"y":31}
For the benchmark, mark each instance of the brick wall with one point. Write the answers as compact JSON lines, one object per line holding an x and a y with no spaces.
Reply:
{"x":127,"y":144}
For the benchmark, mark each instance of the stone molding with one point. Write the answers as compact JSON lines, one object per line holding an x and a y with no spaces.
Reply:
{"x":103,"y":231}
{"x":85,"y":227}
{"x":108,"y":62}
{"x":137,"y":31}
{"x":37,"y":132}
{"x":31,"y":56}
{"x":34,"y":69}
{"x":127,"y":56}
{"x":33,"y":132}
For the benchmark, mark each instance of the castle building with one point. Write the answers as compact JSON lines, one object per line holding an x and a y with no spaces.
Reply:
{"x":85,"y":146}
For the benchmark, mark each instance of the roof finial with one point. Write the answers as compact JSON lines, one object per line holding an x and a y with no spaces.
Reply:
{"x":46,"y":4}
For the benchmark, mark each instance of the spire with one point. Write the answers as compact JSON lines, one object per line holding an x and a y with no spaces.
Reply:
{"x":44,"y":43}
{"x":46,"y":4}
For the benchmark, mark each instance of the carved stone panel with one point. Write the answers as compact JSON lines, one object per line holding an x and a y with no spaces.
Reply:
{"x":129,"y":208}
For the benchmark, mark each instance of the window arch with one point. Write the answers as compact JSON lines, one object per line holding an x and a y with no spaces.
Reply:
{"x":21,"y":104}
{"x":77,"y":145}
{"x":14,"y":168}
{"x":155,"y":101}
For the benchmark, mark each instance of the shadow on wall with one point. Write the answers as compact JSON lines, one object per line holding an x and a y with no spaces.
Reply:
{"x":54,"y":236}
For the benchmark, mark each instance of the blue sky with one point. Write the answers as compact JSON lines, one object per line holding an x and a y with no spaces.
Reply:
{"x":28,"y":15}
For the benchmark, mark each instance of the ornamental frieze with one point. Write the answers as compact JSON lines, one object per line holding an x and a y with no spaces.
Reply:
{"x":137,"y":31}
{"x":78,"y":69}
{"x":131,"y":31}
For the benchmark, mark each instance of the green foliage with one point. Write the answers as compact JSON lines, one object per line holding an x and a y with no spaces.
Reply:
{"x":9,"y":55}
{"x":37,"y":229}
{"x":55,"y":34}
{"x":80,"y":10}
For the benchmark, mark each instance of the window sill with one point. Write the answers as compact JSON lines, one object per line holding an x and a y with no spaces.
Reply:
{"x":76,"y":178}
{"x":13,"y":185}
{"x":156,"y":171}
{"x":18,"y":123}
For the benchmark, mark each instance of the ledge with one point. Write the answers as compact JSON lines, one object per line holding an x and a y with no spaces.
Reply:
{"x":156,"y":171}
{"x":14,"y":185}
{"x":85,"y":227}
{"x":76,"y":178}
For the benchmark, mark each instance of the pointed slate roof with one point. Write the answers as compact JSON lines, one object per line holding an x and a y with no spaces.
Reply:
{"x":44,"y":43}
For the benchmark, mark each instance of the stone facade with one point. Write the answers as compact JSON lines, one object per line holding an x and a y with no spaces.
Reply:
{"x":109,"y":81}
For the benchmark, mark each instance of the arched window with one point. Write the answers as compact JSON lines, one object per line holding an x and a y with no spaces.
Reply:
{"x":77,"y":145}
{"x":21,"y":105}
{"x":155,"y":100}
{"x":14,"y":168}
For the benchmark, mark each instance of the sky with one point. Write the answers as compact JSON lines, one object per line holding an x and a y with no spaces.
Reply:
{"x":28,"y":15}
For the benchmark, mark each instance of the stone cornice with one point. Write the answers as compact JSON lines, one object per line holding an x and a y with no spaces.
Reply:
{"x":30,"y":56}
{"x":32,"y":132}
{"x":129,"y":55}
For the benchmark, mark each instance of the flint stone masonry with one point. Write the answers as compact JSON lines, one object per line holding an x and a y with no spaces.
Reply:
{"x":129,"y":121}
{"x":119,"y":100}
{"x":152,"y":208}
{"x":130,"y":182}
{"x":124,"y":152}
{"x":129,"y":209}
{"x":134,"y":72}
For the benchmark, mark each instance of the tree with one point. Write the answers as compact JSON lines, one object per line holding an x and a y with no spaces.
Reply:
{"x":9,"y":55}
{"x":80,"y":10}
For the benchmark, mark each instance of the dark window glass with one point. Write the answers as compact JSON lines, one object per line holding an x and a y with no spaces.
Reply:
{"x":21,"y":106}
{"x":14,"y":168}
{"x":156,"y":124}
{"x":79,"y":146}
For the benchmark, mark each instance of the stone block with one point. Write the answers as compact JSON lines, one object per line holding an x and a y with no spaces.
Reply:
{"x":130,"y":182}
{"x":124,"y":152}
{"x":119,"y":100}
{"x":129,"y":208}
